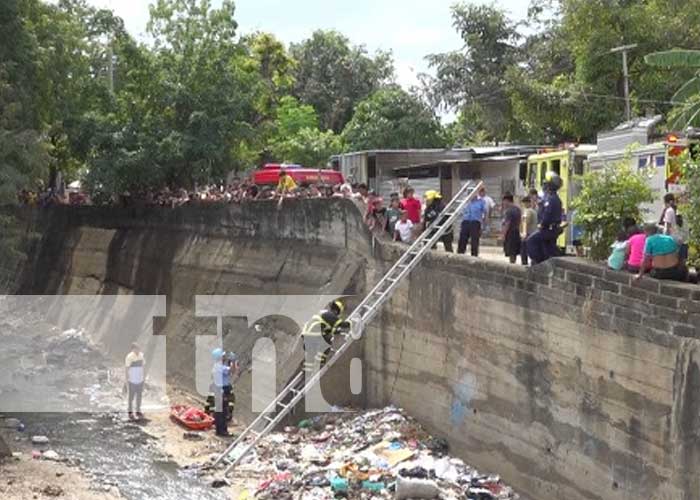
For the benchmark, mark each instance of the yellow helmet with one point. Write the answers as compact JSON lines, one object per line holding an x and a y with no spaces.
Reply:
{"x":431,"y":195}
{"x":339,"y":304}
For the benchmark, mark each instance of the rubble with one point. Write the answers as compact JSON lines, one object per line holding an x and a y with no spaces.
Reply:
{"x":371,"y":454}
{"x":40,"y":440}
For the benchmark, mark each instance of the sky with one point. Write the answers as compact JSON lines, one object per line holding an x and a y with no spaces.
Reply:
{"x":411,"y":29}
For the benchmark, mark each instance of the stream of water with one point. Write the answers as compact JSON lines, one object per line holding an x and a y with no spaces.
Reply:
{"x":44,"y":368}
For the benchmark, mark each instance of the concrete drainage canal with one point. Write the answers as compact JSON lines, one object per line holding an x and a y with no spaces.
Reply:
{"x":45,"y":374}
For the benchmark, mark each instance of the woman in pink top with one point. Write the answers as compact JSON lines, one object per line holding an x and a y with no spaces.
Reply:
{"x":635,"y":251}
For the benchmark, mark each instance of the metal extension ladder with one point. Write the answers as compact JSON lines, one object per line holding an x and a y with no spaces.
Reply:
{"x":362,"y":314}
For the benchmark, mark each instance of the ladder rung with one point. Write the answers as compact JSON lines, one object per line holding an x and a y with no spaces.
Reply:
{"x":283,"y":405}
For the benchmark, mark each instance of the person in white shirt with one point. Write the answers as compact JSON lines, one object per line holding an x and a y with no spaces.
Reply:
{"x":403,"y":229}
{"x":490,"y":205}
{"x":668,"y":217}
{"x":135,"y":377}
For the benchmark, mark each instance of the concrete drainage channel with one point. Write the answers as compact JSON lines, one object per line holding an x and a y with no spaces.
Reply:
{"x":43,"y":369}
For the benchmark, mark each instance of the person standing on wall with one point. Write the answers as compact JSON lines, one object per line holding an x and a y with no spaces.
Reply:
{"x":411,"y":205}
{"x":528,"y":226}
{"x":490,"y":205}
{"x":470,"y":229}
{"x":512,"y":217}
{"x":542,"y":244}
{"x":669,"y":221}
{"x":135,"y":377}
{"x":434,"y":205}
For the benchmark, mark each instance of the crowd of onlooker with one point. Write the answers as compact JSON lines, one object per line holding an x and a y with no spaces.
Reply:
{"x":658,"y":247}
{"x":236,"y":191}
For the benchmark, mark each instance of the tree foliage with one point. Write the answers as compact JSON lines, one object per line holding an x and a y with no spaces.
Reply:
{"x":607,"y":197}
{"x":391,"y":118}
{"x":687,"y":98}
{"x":690,"y":204}
{"x":473,"y":80}
{"x":557,"y":80}
{"x":333,"y":76}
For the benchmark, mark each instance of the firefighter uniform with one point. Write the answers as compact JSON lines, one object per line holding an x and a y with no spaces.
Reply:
{"x":318,"y":334}
{"x":435,"y":205}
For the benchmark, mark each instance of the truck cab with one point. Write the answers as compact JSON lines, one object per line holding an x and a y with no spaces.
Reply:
{"x":568,"y":161}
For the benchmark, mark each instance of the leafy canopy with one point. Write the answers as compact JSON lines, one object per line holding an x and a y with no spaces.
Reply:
{"x":393,"y":119}
{"x":607,"y":197}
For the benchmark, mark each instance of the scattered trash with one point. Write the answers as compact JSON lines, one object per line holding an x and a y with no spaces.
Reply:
{"x":17,"y":455}
{"x":193,"y":436}
{"x":40,"y":440}
{"x":50,"y":455}
{"x":410,"y":487}
{"x":36,"y":454}
{"x":339,"y":484}
{"x":52,"y":491}
{"x":370,"y":454}
{"x":220,"y":483}
{"x":305,"y":424}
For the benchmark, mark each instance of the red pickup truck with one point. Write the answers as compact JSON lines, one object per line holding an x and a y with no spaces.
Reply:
{"x":270,"y":174}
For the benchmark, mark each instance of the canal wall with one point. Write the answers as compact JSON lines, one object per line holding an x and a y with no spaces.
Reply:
{"x":569,"y":380}
{"x":256,"y":249}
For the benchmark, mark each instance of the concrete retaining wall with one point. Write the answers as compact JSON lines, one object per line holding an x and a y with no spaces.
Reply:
{"x":569,"y":380}
{"x":305,"y":248}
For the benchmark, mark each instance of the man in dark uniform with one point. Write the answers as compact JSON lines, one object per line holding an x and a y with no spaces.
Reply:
{"x":542,"y":244}
{"x":435,"y":205}
{"x":318,"y":334}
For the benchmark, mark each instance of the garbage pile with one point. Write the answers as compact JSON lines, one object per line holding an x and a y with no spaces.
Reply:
{"x":373,"y":454}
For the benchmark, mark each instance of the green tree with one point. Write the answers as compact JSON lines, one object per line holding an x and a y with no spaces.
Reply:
{"x":292,"y":116}
{"x":309,"y":147}
{"x":473,"y":80}
{"x":23,"y":155}
{"x":607,"y":197}
{"x":690,"y":204}
{"x":297,"y":138}
{"x":687,"y":99}
{"x":391,"y":118}
{"x":333,"y":76}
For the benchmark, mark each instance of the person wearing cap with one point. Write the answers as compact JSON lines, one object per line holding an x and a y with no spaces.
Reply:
{"x":319,"y":332}
{"x":286,"y":183}
{"x":661,"y":255}
{"x":222,"y":372}
{"x":433,"y":206}
{"x":135,"y":377}
{"x":542,"y":244}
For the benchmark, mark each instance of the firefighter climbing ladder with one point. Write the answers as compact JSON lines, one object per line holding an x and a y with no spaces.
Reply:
{"x":363,"y":314}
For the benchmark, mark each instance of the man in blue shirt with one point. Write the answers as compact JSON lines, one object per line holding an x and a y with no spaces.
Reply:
{"x":474,"y":216}
{"x":225,"y":366}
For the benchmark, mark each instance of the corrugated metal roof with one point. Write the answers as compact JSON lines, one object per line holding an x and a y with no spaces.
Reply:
{"x":464,"y":161}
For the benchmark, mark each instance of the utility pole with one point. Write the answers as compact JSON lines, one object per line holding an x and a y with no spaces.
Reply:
{"x":110,"y":67}
{"x":110,"y":56}
{"x":625,"y":71}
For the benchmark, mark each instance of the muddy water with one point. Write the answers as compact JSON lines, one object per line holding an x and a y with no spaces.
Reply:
{"x":117,"y":454}
{"x":47,"y":375}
